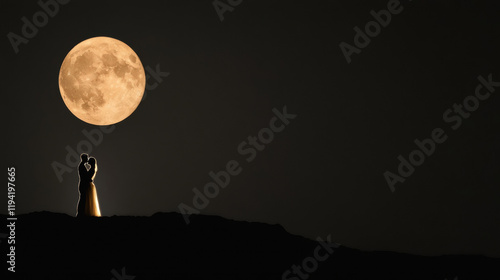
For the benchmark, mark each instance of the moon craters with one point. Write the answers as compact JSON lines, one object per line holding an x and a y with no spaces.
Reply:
{"x":102,"y":81}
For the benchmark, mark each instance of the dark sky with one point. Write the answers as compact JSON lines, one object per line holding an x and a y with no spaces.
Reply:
{"x":324,"y":173}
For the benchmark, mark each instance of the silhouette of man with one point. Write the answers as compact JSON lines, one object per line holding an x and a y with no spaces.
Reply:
{"x":83,"y":184}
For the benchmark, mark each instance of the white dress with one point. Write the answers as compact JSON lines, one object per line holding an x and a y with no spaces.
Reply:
{"x":92,"y":203}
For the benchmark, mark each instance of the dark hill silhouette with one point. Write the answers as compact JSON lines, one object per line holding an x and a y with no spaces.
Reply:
{"x":58,"y":246}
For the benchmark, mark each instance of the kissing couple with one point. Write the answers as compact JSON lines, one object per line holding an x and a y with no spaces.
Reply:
{"x":88,"y":205}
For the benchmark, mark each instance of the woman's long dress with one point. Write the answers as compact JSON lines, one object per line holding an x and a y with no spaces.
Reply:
{"x":92,"y":203}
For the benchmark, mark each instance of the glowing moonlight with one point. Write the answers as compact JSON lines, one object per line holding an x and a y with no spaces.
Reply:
{"x":102,"y":81}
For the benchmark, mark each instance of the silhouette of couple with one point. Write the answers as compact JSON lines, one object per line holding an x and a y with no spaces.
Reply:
{"x":88,"y":205}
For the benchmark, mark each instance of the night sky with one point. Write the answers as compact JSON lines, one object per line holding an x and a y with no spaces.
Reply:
{"x":324,"y":172}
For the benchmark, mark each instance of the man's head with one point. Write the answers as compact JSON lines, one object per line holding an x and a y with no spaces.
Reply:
{"x":84,"y":157}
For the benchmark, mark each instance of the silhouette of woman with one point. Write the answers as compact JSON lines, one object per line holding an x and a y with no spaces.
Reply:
{"x":92,"y":204}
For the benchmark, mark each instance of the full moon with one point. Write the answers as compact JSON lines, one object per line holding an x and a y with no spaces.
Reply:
{"x":102,"y":81}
